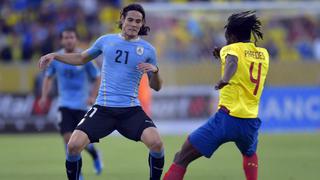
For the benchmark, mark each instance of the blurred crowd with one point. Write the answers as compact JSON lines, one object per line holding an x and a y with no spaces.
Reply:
{"x":30,"y":28}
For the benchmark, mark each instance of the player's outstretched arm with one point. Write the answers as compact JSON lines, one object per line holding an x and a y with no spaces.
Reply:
{"x":68,"y":58}
{"x":230,"y":70}
{"x":46,"y":87}
{"x":155,"y":81}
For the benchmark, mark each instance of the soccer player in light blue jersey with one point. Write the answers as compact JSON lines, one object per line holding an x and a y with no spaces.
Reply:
{"x":73,"y":89}
{"x":125,"y":58}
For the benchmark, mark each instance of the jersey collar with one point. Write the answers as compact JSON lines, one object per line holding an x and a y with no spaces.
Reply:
{"x":131,"y":40}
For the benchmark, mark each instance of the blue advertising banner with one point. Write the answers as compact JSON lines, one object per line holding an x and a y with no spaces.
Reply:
{"x":290,"y":109}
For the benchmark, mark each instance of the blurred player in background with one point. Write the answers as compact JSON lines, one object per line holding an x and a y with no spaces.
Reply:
{"x":244,"y":70}
{"x":73,"y":90}
{"x":125,"y":58}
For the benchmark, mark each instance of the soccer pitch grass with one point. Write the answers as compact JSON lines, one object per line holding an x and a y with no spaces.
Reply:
{"x":40,"y":157}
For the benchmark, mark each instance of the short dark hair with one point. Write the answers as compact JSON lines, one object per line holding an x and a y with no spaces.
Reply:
{"x":68,"y":29}
{"x":135,"y":7}
{"x":241,"y":25}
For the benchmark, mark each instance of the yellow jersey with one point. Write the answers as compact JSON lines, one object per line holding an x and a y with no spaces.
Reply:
{"x":242,"y":95}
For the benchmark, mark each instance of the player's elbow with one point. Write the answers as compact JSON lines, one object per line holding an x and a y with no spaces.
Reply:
{"x":156,"y":86}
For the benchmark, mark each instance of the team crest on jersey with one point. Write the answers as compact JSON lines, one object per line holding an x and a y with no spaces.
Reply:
{"x":139,"y":50}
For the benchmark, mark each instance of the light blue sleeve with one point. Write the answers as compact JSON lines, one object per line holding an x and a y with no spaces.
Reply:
{"x":51,"y":70}
{"x":152,"y":59}
{"x":96,"y":49}
{"x":92,"y":70}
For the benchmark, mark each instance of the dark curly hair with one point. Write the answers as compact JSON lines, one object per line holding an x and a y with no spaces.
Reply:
{"x":241,"y":25}
{"x":135,"y":7}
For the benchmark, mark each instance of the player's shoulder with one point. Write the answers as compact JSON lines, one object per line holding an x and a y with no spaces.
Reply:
{"x":228,"y":48}
{"x":265,"y":52}
{"x":262,"y":49}
{"x":147,"y":44}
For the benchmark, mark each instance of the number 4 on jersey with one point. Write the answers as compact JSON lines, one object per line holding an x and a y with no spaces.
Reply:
{"x":257,"y":80}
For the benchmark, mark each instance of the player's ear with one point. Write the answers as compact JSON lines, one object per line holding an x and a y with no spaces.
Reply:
{"x":122,"y":19}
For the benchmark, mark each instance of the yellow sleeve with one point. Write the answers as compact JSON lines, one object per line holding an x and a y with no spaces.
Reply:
{"x":229,"y":49}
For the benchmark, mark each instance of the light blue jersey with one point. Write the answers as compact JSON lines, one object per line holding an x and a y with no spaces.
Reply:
{"x":73,"y":82}
{"x":120,"y":77}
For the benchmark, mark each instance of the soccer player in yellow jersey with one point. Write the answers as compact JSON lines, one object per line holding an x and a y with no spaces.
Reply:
{"x":244,"y":70}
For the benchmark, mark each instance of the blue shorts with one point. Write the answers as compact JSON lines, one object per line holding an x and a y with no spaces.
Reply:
{"x":222,"y":128}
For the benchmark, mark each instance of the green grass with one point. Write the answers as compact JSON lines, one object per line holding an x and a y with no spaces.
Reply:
{"x":282,"y":157}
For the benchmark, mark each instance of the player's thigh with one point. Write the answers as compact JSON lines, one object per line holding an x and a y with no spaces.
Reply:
{"x":247,"y":141}
{"x":97,"y":123}
{"x":66,"y":120}
{"x":133,"y":125}
{"x":208,"y":137}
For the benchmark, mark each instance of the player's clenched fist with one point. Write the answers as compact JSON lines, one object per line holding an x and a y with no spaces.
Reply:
{"x":45,"y":60}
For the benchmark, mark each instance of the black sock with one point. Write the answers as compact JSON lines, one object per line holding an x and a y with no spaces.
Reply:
{"x":73,"y":167}
{"x":92,"y":151}
{"x":156,"y":163}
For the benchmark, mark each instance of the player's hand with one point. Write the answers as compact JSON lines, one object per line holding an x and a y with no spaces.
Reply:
{"x":91,"y":101}
{"x":42,"y":102}
{"x":45,"y":60}
{"x":220,"y":84}
{"x":147,"y":67}
{"x":216,"y":52}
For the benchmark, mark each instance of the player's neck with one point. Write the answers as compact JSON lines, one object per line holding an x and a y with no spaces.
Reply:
{"x":128,"y":38}
{"x":246,"y":41}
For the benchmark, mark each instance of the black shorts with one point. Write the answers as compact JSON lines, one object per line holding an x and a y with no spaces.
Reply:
{"x":69,"y":119}
{"x":100,"y":121}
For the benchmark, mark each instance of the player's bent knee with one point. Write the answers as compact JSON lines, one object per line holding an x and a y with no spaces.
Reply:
{"x":156,"y":145}
{"x":74,"y":148}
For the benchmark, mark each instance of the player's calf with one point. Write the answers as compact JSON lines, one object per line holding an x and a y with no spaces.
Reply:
{"x":151,"y":138}
{"x":73,"y":166}
{"x":75,"y":145}
{"x":175,"y":172}
{"x":182,"y":159}
{"x":250,"y":166}
{"x":156,"y":159}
